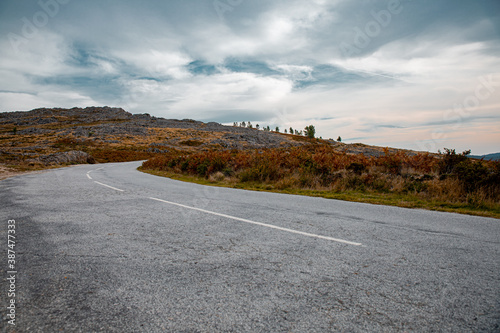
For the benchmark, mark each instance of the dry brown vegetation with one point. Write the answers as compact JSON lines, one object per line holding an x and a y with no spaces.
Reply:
{"x":436,"y":181}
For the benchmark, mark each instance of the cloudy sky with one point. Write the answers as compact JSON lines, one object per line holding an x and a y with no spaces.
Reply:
{"x":418,"y":74}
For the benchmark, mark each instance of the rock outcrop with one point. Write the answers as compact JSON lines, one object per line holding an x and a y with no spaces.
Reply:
{"x":69,"y":157}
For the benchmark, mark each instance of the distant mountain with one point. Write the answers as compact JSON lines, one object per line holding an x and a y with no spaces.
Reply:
{"x":489,"y":157}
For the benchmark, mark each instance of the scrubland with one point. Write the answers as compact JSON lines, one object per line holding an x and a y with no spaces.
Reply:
{"x":447,"y":182}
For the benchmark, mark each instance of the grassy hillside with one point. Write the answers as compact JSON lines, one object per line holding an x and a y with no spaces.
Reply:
{"x":451,"y":182}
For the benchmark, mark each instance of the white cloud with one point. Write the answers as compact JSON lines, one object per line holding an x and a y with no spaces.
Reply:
{"x":206,"y":96}
{"x":43,"y":55}
{"x":156,"y":63}
{"x":410,"y":75}
{"x":25,"y":102}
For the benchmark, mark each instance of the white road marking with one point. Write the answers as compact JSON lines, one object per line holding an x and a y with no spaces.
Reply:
{"x":260,"y":223}
{"x":88,"y":172}
{"x":111,"y":187}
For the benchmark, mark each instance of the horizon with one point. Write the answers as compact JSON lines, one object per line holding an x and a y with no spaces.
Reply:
{"x":400,"y":74}
{"x":260,"y":129}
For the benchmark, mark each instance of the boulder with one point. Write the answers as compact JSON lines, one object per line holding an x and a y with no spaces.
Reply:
{"x":69,"y":157}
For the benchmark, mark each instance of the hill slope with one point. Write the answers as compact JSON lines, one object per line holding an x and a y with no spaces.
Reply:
{"x":43,"y":136}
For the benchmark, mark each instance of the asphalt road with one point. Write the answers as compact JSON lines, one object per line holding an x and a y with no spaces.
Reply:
{"x":108,"y":248}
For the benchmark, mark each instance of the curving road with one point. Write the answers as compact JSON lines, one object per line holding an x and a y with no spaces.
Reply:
{"x":108,"y":248}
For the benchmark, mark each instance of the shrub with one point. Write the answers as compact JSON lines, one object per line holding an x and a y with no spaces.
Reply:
{"x":450,"y":160}
{"x":356,"y":167}
{"x":321,"y":167}
{"x":415,"y":186}
{"x":354,"y":182}
{"x":328,"y":179}
{"x":217,"y":177}
{"x":201,"y":169}
{"x":393,"y":163}
{"x":471,"y":174}
{"x":185,"y":165}
{"x":260,"y":172}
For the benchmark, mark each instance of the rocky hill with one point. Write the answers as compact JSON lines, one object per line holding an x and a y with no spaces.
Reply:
{"x":56,"y":136}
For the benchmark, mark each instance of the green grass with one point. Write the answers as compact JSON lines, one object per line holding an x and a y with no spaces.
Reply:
{"x":388,"y":199}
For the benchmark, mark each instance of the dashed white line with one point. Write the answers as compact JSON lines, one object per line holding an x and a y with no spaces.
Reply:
{"x":260,"y":223}
{"x":88,"y":174}
{"x":111,"y":187}
{"x":338,"y":240}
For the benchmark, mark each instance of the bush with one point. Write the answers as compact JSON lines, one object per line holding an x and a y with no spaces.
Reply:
{"x":471,"y":174}
{"x":202,"y":169}
{"x":217,"y":177}
{"x":314,"y":166}
{"x":356,"y":167}
{"x":415,"y":186}
{"x":261,"y":173}
{"x":393,"y":163}
{"x":450,"y":160}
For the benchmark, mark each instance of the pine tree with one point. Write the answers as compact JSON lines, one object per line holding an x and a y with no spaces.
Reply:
{"x":310,"y":131}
